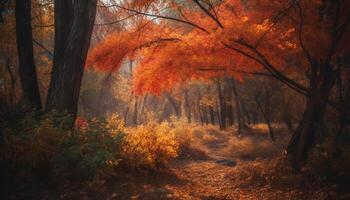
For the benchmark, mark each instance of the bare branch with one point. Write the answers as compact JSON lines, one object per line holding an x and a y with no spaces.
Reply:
{"x":43,"y":47}
{"x":163,"y":17}
{"x":209,"y":14}
{"x":117,"y":21}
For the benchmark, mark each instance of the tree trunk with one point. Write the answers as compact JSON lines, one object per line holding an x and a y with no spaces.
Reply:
{"x":136,"y":111}
{"x":212,"y":115}
{"x":74,"y":21}
{"x":287,"y":120}
{"x":217,"y":112}
{"x":228,"y":102}
{"x":266,"y":118}
{"x":205,"y":114}
{"x":173,"y":104}
{"x":27,"y":70}
{"x":199,"y":107}
{"x":222,"y":106}
{"x":245,"y":113}
{"x":12,"y":91}
{"x":238,"y":107}
{"x":305,"y":135}
{"x":143,"y":108}
{"x":187,"y":106}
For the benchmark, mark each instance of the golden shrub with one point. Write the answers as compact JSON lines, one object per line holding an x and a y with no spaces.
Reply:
{"x":183,"y":134}
{"x":149,"y":146}
{"x":115,"y":124}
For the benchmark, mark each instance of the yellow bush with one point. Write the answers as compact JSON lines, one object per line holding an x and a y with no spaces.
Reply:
{"x":115,"y":124}
{"x":149,"y":146}
{"x":183,"y":134}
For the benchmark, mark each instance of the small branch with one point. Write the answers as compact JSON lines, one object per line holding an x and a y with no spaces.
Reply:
{"x":300,"y":35}
{"x":216,"y":20}
{"x":263,"y":62}
{"x":164,"y":17}
{"x":117,"y":21}
{"x":160,"y":40}
{"x":43,"y":47}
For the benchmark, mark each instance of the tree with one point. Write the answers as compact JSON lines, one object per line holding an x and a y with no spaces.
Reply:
{"x":27,"y":69}
{"x":278,"y":39}
{"x":74,"y":22}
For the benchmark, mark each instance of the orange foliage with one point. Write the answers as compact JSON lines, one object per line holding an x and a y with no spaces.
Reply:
{"x":200,"y":55}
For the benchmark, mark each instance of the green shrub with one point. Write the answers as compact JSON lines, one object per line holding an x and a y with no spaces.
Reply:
{"x":49,"y":146}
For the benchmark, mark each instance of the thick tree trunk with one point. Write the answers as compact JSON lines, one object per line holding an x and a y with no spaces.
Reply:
{"x":305,"y":135}
{"x":74,"y":22}
{"x":27,"y":70}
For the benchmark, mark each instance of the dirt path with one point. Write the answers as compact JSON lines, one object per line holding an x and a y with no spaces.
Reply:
{"x":206,"y":178}
{"x":210,"y":178}
{"x":196,"y":177}
{"x":229,"y":167}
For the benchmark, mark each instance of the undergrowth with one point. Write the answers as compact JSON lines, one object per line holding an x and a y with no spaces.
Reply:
{"x":49,"y":148}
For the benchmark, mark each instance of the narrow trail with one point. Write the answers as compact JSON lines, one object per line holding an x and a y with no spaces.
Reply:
{"x":209,"y":178}
{"x":202,"y":175}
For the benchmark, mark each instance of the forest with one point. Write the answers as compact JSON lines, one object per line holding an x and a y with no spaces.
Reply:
{"x":175,"y":99}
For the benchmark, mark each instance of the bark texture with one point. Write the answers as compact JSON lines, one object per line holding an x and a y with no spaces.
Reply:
{"x":74,"y":22}
{"x":306,"y":134}
{"x":27,"y":70}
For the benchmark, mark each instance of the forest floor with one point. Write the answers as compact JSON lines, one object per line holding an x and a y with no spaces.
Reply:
{"x":219,"y":165}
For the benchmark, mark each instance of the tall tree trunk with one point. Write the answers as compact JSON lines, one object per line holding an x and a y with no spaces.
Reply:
{"x":143,"y":108}
{"x":217,"y":112}
{"x":173,"y":104}
{"x":187,"y":106}
{"x":199,"y":107}
{"x":205,"y":114}
{"x":238,"y":107}
{"x":74,"y":21}
{"x":246,"y":114}
{"x":12,"y":81}
{"x":287,"y":119}
{"x":305,"y":135}
{"x":229,"y":107}
{"x":266,"y":118}
{"x":212,"y":115}
{"x":222,"y":106}
{"x":24,"y":37}
{"x":136,"y":111}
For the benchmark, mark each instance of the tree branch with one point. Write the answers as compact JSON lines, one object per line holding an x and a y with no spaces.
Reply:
{"x":216,"y":20}
{"x":163,"y":17}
